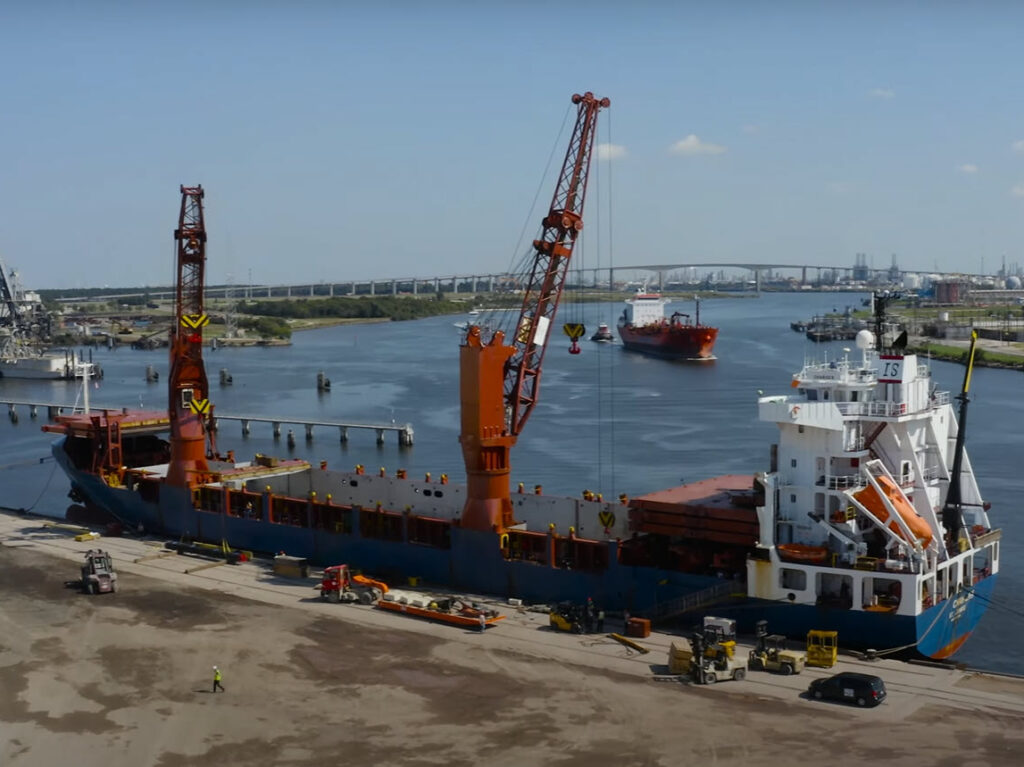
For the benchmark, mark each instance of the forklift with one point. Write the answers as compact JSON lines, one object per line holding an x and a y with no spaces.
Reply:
{"x":98,"y":575}
{"x":567,"y":616}
{"x":713,"y":660}
{"x":770,"y":653}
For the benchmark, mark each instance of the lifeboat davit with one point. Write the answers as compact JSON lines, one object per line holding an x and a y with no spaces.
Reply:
{"x":870,"y":500}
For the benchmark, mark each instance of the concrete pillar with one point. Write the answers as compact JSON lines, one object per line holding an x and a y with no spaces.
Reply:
{"x":268,"y":291}
{"x":757,"y":280}
{"x":344,"y":434}
{"x":373,"y":288}
{"x":380,"y":436}
{"x":490,"y":284}
{"x":414,"y":285}
{"x":661,"y":281}
{"x":611,"y":279}
{"x":437,"y":284}
{"x":394,"y":287}
{"x":245,"y":427}
{"x":455,"y":285}
{"x":311,"y":291}
{"x":309,"y":432}
{"x":288,"y":293}
{"x":803,"y":276}
{"x":277,"y":429}
{"x":32,"y":411}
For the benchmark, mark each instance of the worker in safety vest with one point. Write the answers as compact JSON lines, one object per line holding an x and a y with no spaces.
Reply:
{"x":216,"y":680}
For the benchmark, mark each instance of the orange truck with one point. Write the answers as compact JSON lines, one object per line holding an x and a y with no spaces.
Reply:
{"x":340,"y":585}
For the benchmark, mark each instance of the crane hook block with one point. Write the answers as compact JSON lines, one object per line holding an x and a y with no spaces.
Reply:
{"x":575,"y":348}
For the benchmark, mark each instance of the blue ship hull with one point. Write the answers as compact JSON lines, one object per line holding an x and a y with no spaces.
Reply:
{"x":474,"y":562}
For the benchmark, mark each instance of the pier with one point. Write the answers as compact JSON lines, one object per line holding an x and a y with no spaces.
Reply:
{"x":404,"y":431}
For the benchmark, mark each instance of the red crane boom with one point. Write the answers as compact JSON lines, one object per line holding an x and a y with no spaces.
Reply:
{"x":499,"y":384}
{"x":189,"y":404}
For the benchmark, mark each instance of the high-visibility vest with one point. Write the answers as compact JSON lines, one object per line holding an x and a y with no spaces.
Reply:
{"x":216,"y":675}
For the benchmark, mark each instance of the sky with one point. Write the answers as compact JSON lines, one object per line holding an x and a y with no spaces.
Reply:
{"x":356,"y":140}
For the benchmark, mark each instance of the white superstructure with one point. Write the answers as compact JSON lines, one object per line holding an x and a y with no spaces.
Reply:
{"x":853,"y":503}
{"x":645,"y":308}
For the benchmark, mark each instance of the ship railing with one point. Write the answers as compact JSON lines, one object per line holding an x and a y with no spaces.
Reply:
{"x":932,"y":473}
{"x":842,"y":481}
{"x":673,"y":607}
{"x":873,"y":409}
{"x":940,"y":398}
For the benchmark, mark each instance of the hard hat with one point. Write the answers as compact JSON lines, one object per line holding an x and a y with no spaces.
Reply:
{"x":214,"y":668}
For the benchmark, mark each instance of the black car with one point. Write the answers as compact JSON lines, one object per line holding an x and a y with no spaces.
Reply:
{"x":862,"y":689}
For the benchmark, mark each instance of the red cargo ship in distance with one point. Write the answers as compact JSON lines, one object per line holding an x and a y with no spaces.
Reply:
{"x":644,"y":327}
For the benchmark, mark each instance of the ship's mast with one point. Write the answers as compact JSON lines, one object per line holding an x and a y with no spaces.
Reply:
{"x":189,"y":406}
{"x":952,"y":510}
{"x":499,"y":383}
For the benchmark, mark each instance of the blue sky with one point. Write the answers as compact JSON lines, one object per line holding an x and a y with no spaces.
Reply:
{"x":342,"y":140}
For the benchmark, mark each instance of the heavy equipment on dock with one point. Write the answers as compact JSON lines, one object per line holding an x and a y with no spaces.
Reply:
{"x":770,"y":653}
{"x":340,"y":585}
{"x":98,"y":574}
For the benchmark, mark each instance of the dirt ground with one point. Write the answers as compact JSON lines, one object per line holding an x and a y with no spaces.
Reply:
{"x":125,"y":679}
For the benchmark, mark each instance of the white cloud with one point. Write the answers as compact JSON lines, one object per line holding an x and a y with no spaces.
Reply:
{"x":751,"y":128}
{"x":1018,"y":146}
{"x":967,"y":167}
{"x":609,"y":151}
{"x":881,"y":93}
{"x":692,"y":145}
{"x":1017,"y":191}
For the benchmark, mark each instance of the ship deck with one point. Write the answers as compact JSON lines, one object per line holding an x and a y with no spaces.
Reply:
{"x":720,"y":509}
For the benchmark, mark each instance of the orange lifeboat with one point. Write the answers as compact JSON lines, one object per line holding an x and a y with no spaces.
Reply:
{"x":799,"y":552}
{"x":870,"y":500}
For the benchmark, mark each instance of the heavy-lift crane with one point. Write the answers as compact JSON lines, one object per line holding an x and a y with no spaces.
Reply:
{"x":189,"y":408}
{"x":499,"y":382}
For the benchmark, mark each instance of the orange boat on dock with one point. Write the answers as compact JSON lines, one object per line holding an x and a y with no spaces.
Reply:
{"x":451,"y":610}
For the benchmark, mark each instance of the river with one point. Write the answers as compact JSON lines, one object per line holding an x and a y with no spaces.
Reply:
{"x":608,"y":420}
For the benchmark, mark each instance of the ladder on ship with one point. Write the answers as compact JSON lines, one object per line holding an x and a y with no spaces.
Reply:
{"x":673,"y":608}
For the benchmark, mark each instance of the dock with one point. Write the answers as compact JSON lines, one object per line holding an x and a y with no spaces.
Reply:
{"x":403,"y":431}
{"x":151,"y":647}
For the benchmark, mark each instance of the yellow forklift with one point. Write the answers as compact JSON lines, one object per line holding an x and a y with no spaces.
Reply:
{"x":770,"y":653}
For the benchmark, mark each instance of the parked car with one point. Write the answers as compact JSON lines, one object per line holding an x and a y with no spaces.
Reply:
{"x":862,"y":689}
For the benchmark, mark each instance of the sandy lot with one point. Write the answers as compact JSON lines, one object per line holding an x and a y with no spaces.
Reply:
{"x":125,"y":679}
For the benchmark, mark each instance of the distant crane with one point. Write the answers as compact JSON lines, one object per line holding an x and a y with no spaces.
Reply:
{"x":499,"y":383}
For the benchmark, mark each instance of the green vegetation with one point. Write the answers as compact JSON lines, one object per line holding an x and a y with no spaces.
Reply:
{"x":982,"y":357}
{"x":267,"y":327}
{"x":364,"y":307}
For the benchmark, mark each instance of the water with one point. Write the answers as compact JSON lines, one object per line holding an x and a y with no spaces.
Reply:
{"x":608,"y":420}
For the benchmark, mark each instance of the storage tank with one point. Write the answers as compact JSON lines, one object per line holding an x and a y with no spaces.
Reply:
{"x":1013,"y":282}
{"x":911,"y":282}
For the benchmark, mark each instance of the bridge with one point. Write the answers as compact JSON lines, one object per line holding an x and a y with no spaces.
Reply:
{"x":472,"y":284}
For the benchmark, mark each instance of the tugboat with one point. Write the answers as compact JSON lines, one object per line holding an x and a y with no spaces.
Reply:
{"x":603,"y":334}
{"x":644,"y":328}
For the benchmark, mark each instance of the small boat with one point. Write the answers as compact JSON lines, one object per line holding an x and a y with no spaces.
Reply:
{"x":603,"y":334}
{"x":798,"y":552}
{"x":452,"y":610}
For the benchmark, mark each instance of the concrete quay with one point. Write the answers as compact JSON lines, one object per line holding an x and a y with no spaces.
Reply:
{"x":124,"y":678}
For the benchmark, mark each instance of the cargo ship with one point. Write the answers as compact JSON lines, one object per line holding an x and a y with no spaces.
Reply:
{"x":644,"y":327}
{"x":842,"y":532}
{"x":868,"y":520}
